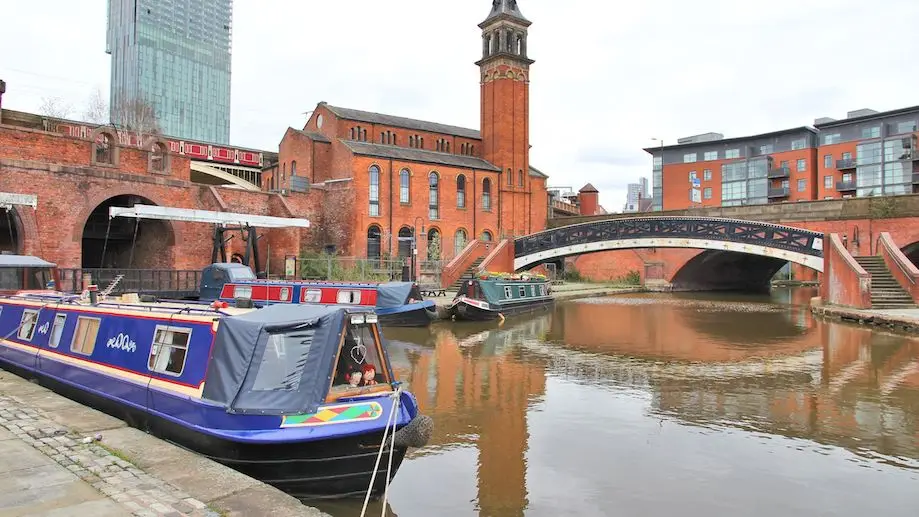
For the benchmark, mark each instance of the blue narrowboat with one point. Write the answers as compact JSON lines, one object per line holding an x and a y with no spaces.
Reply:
{"x":491,"y":296}
{"x":398,"y":304}
{"x":301,"y":397}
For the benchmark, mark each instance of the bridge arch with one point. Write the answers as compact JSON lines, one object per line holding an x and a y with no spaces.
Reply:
{"x":912,"y":252}
{"x":771,"y":241}
{"x":718,"y":270}
{"x":125,"y":242}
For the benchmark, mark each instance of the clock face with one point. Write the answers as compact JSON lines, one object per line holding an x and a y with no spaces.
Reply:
{"x":319,"y":121}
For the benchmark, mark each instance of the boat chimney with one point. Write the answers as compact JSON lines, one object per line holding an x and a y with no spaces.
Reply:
{"x":94,"y":294}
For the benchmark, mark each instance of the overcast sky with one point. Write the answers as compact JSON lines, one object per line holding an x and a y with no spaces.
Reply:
{"x":609,"y":75}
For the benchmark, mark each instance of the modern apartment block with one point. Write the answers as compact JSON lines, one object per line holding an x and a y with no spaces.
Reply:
{"x":635,"y":193}
{"x":174,"y":56}
{"x":868,"y":153}
{"x":752,"y":170}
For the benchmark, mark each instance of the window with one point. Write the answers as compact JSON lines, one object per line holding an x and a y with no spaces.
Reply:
{"x":689,"y":158}
{"x":707,"y":193}
{"x":871,"y":132}
{"x":828,"y":182}
{"x":486,"y":194}
{"x":732,"y":153}
{"x":360,"y":353}
{"x":486,"y":236}
{"x":868,"y":154}
{"x":834,"y":138}
{"x":906,"y":127}
{"x":846,"y":156}
{"x":158,"y":158}
{"x":802,"y":185}
{"x":312,"y":296}
{"x":434,"y":244}
{"x":785,"y":183}
{"x":459,"y":242}
{"x":374,"y":191}
{"x":800,"y":143}
{"x":507,"y":292}
{"x":169,"y":350}
{"x":57,"y":330}
{"x":707,"y":174}
{"x":828,"y":161}
{"x":692,"y":175}
{"x":656,"y":163}
{"x":802,"y":165}
{"x":847,"y":177}
{"x":406,"y":239}
{"x":766,"y":149}
{"x":898,"y":149}
{"x":27,"y":324}
{"x":710,"y":155}
{"x":510,"y":178}
{"x":520,"y":177}
{"x":105,"y":152}
{"x":461,"y":191}
{"x":293,"y":168}
{"x":404,"y":187}
{"x":521,"y":291}
{"x":433,"y":200}
{"x":348,"y":296}
{"x":283,"y":360}
{"x":374,"y":242}
{"x":84,"y":336}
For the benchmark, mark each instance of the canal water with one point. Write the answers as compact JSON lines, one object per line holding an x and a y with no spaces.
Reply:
{"x":660,"y":404}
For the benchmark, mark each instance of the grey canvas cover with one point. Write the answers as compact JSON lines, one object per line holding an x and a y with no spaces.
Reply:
{"x":393,"y":294}
{"x":277,"y":360}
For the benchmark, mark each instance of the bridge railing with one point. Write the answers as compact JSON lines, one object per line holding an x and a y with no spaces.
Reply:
{"x":167,"y":281}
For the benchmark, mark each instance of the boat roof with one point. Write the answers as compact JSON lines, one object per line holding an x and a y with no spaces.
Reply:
{"x":13,"y":261}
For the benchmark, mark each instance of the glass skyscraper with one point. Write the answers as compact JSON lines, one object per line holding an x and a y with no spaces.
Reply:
{"x":173,"y":55}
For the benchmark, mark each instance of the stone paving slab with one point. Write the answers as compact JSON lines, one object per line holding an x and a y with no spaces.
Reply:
{"x":59,"y":458}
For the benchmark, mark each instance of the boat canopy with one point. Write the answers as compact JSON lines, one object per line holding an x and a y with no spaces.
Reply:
{"x":14,"y":261}
{"x":394,"y":294}
{"x":278,"y":360}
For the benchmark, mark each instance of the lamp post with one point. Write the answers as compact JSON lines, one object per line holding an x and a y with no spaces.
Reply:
{"x":415,"y":245}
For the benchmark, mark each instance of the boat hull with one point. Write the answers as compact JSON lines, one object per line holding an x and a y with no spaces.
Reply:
{"x":465,"y":311}
{"x":413,"y":315}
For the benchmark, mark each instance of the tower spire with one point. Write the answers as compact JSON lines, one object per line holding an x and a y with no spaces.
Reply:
{"x":507,"y":9}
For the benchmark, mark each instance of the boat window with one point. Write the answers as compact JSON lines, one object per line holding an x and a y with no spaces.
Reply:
{"x":507,"y":292}
{"x":169,"y":350}
{"x":27,"y":324}
{"x":283,"y":360}
{"x":542,"y":290}
{"x":312,"y":296}
{"x":522,"y":291}
{"x":349,"y":297}
{"x":241,"y":291}
{"x":84,"y":336}
{"x":285,"y":294}
{"x":57,"y":330}
{"x":239,"y":274}
{"x":359,"y":361}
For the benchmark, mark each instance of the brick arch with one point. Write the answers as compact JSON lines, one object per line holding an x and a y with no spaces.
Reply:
{"x":26,"y":228}
{"x":97,"y":198}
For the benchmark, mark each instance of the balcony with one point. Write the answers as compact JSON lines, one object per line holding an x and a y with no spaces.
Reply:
{"x":779,"y":173}
{"x":845,"y":186}
{"x":778,"y":193}
{"x":848,"y":163}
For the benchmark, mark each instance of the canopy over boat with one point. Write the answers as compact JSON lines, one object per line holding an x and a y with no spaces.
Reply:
{"x":393,"y":294}
{"x":13,"y":261}
{"x":278,"y":360}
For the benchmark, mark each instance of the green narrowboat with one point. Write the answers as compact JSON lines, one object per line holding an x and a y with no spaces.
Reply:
{"x":491,"y":296}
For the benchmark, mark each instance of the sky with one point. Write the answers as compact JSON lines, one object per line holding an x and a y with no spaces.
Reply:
{"x":609,"y":76}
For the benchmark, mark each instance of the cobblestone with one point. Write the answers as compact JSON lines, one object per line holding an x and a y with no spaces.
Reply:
{"x":118,"y":479}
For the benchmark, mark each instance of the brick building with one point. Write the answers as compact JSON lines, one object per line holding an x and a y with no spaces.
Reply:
{"x":868,"y":153}
{"x":397,"y":174}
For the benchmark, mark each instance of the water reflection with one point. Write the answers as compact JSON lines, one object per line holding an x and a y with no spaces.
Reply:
{"x":660,"y":403}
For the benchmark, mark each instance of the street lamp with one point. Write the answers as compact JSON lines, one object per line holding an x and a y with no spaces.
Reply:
{"x":415,"y":245}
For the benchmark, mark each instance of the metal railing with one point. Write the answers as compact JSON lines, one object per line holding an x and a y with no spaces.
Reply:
{"x":845,"y":186}
{"x":779,"y":192}
{"x":848,"y":163}
{"x":779,"y":172}
{"x":170,"y":282}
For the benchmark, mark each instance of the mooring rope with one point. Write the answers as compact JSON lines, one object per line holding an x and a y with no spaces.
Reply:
{"x":392,"y":446}
{"x":392,"y":418}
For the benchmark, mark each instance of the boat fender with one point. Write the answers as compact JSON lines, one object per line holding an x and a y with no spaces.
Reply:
{"x":416,"y":433}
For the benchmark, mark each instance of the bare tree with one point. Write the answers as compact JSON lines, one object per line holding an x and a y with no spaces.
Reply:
{"x":96,"y":110}
{"x":55,"y":107}
{"x":137,"y":119}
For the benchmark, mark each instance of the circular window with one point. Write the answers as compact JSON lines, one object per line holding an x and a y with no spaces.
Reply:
{"x":319,"y":121}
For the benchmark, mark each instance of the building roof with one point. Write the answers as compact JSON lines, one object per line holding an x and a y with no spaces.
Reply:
{"x":407,"y":123}
{"x":588,"y":188}
{"x":506,"y":9}
{"x":319,"y":137}
{"x":409,"y":154}
{"x":865,"y":118}
{"x":536,"y":173}
{"x":801,"y":129}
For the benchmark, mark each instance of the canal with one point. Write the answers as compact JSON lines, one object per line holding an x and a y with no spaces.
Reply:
{"x":660,"y":404}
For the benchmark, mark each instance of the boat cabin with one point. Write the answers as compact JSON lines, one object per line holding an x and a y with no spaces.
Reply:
{"x":26,"y":273}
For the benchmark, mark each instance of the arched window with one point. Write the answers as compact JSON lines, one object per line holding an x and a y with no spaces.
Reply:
{"x":486,"y":236}
{"x":433,"y":244}
{"x":374,"y":242}
{"x":433,"y":199}
{"x":459,"y":242}
{"x":461,"y":191}
{"x":421,"y":142}
{"x":158,"y":158}
{"x":405,"y":187}
{"x":448,"y":146}
{"x":510,"y":178}
{"x":405,"y":241}
{"x":520,"y":177}
{"x":471,"y":149}
{"x":351,"y":134}
{"x":486,"y":194}
{"x":105,"y":152}
{"x":374,"y":191}
{"x":293,"y":168}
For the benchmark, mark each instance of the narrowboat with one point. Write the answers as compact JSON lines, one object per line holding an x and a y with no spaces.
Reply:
{"x":493,"y":296}
{"x":397,"y":304}
{"x":301,"y":397}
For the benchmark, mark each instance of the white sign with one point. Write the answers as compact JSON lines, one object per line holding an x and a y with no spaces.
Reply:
{"x":8,"y":199}
{"x":696,"y":195}
{"x":122,"y":342}
{"x":696,"y":182}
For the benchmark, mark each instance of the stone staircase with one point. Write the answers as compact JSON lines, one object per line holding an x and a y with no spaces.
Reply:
{"x":467,"y":275}
{"x":886,"y":292}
